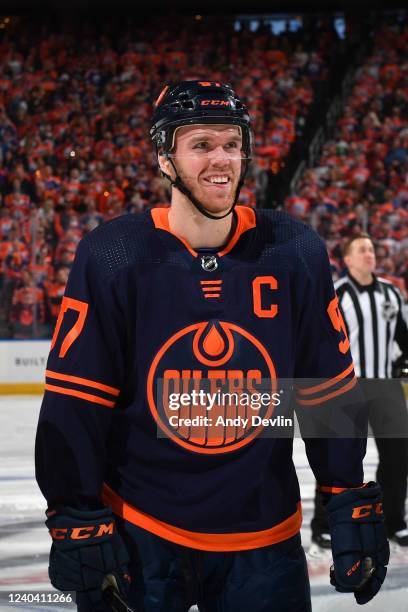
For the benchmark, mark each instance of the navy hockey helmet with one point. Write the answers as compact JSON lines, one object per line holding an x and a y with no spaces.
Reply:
{"x":197,"y":102}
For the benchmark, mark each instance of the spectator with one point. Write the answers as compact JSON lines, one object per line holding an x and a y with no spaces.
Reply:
{"x":27,"y":309}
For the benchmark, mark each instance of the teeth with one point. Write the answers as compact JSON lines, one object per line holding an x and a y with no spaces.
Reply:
{"x":219,"y":179}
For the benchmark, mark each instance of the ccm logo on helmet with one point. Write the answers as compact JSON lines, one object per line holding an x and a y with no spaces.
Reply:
{"x":215,"y":103}
{"x":366,"y":510}
{"x":82,"y":533}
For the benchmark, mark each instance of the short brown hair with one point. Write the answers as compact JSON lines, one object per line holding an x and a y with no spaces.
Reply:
{"x":349,"y":241}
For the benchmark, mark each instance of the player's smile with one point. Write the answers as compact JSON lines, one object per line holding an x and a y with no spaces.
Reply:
{"x":220,"y":181}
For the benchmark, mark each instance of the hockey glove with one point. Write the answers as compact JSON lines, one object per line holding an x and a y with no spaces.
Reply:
{"x":86,"y":547}
{"x":359,"y":543}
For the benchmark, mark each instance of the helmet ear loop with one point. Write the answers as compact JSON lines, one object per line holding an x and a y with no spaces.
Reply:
{"x":170,"y":159}
{"x":245,"y":165}
{"x":177,"y":182}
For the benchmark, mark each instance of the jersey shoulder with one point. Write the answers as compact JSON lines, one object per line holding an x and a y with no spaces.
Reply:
{"x":388,"y":283}
{"x":392,"y":286}
{"x":385,"y":281}
{"x":341,"y":284}
{"x":282,"y":234}
{"x":119,"y":243}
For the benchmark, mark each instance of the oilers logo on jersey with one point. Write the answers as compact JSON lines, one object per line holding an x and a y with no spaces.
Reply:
{"x":203,"y":357}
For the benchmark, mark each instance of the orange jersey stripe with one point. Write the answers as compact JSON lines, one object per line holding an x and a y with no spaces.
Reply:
{"x":336,"y":490}
{"x":327,"y":383}
{"x":320,"y":400}
{"x":216,"y":542}
{"x":212,"y":295}
{"x":160,"y":218}
{"x":246,"y":221}
{"x":211,"y":288}
{"x":86,"y":396}
{"x":82,"y":381}
{"x":211,"y":282}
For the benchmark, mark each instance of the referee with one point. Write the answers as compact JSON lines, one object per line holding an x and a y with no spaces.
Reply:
{"x":372,"y":309}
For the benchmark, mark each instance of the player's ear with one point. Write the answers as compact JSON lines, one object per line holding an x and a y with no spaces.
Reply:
{"x":165,"y":165}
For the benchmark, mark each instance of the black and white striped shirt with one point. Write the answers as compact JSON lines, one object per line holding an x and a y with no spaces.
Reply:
{"x":373,"y":315}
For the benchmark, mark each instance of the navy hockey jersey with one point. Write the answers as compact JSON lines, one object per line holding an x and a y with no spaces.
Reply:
{"x":147,"y":320}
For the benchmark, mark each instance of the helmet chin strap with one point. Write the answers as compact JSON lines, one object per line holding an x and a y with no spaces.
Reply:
{"x":178,"y":184}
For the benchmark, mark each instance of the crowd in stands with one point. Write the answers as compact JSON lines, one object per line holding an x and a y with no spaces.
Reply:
{"x":360,"y":182}
{"x":75,"y":104}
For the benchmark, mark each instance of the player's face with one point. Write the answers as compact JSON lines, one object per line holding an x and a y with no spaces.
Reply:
{"x":361,"y":256}
{"x":208,"y":159}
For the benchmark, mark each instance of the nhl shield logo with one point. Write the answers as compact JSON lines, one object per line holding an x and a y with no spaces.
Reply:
{"x":209,"y":263}
{"x":388,"y":311}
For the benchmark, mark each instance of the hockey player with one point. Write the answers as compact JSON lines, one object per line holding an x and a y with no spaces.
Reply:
{"x":150,"y":476}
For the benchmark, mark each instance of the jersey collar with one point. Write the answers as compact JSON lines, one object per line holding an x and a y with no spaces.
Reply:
{"x":246,"y":220}
{"x":373,"y":286}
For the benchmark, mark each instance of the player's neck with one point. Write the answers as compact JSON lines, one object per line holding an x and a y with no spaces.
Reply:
{"x":198,"y":230}
{"x":363,"y":278}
